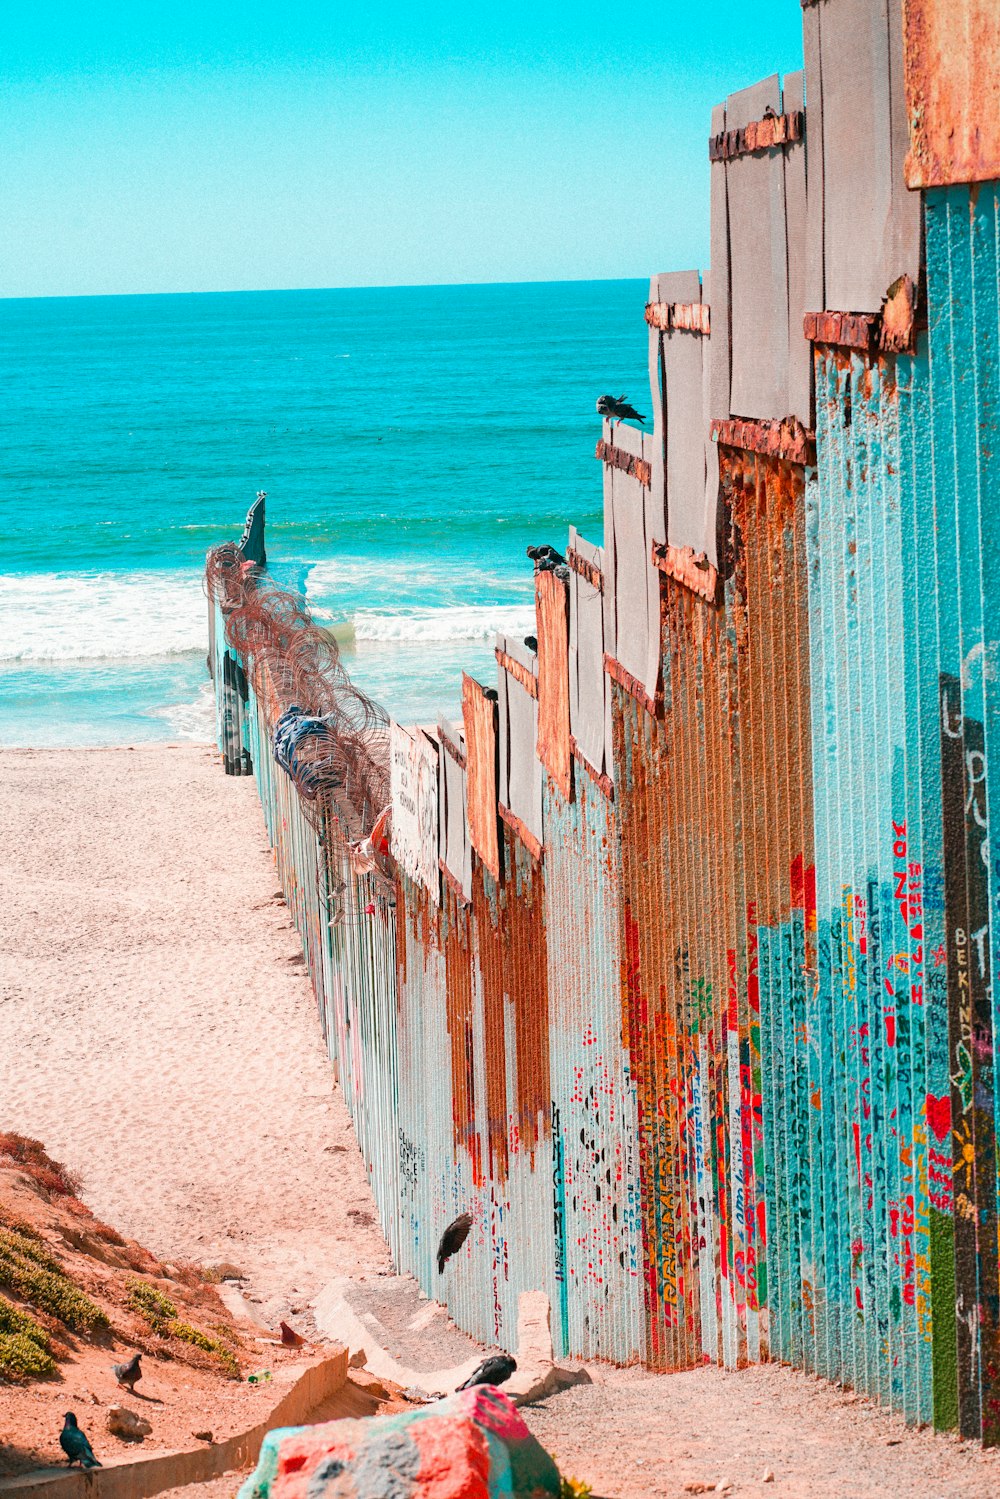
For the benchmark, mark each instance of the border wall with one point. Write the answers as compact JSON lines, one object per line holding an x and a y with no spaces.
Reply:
{"x":672,"y":961}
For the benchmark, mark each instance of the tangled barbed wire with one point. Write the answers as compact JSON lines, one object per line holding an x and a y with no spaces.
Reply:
{"x":333,"y":739}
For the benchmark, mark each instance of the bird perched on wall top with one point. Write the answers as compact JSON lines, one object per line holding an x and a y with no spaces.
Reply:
{"x":544,"y":554}
{"x":128,"y":1374}
{"x":494,"y":1370}
{"x":453,"y":1238}
{"x":75,"y":1444}
{"x":617,"y":409}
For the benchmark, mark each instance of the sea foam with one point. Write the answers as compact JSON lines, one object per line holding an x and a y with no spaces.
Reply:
{"x":101,"y":616}
{"x":460,"y":622}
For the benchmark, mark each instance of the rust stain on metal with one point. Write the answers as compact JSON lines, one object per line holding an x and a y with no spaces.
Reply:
{"x":527,"y":990}
{"x":760,"y":135}
{"x":849,"y":330}
{"x":892,"y":330}
{"x":518,"y":671}
{"x":458,"y":998}
{"x":636,"y":468}
{"x":952,"y":66}
{"x":552,"y":614}
{"x":786,"y":439}
{"x":510,"y":940}
{"x":400,"y":935}
{"x":454,"y":750}
{"x":681,"y":564}
{"x":491,"y":942}
{"x":453,"y":885}
{"x":517,"y":827}
{"x":688,"y":317}
{"x":617,"y":672}
{"x":479,"y":714}
{"x":601,"y":781}
{"x":899,"y":319}
{"x":586,"y":569}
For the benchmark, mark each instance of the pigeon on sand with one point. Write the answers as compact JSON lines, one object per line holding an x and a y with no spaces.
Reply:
{"x":128,"y":1374}
{"x":493,"y":1370}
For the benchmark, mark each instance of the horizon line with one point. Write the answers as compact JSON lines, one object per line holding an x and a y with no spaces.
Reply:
{"x":242,"y":291}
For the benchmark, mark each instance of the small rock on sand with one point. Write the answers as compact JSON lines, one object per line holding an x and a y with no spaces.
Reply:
{"x":127,"y":1424}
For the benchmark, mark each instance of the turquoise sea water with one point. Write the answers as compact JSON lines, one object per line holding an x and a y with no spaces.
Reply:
{"x":411,"y":441}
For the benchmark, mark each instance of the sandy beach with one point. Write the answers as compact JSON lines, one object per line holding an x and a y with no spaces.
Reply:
{"x":157,"y":1026}
{"x":158,"y":1032}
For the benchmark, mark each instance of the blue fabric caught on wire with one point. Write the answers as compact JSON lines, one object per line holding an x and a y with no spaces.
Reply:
{"x":292,"y":731}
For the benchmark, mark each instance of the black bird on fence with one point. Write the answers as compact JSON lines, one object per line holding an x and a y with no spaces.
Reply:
{"x":75,"y":1444}
{"x":453,"y":1238}
{"x":544,"y":554}
{"x":493,"y":1370}
{"x":532,"y":643}
{"x":128,"y":1374}
{"x":617,"y":409}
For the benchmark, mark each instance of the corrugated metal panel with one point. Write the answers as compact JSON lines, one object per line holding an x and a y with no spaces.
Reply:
{"x":598,"y":1272}
{"x":952,"y":91}
{"x":454,"y":843}
{"x":871,"y":224}
{"x":520,"y":789}
{"x":480,"y":715}
{"x":758,"y":276}
{"x":759,"y":365}
{"x":552,"y":613}
{"x":590,"y":696}
{"x":902,"y":553}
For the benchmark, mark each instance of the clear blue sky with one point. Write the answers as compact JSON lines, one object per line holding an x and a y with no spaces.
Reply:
{"x":195,"y":145}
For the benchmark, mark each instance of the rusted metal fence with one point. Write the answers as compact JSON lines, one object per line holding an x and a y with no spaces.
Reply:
{"x":675,"y":969}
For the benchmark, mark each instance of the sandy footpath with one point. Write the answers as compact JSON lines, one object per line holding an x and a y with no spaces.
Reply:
{"x":158,"y":1032}
{"x":157,"y":1029}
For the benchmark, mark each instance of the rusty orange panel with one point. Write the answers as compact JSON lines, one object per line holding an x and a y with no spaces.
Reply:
{"x":458,"y":997}
{"x":525,"y":834}
{"x":681,"y":564}
{"x":518,"y":671}
{"x":628,"y":463}
{"x":490,"y":940}
{"x":526,"y":987}
{"x":480,"y":716}
{"x":552,"y":610}
{"x":952,"y":63}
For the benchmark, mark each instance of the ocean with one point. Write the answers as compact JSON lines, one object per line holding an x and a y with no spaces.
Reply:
{"x":412,"y":442}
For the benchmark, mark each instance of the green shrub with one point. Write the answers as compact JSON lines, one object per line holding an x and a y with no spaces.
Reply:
{"x":23,"y":1241}
{"x":28,"y":1269}
{"x":14,"y":1322}
{"x":227,"y":1334}
{"x":151,"y":1304}
{"x":22,"y":1358}
{"x":198,"y":1339}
